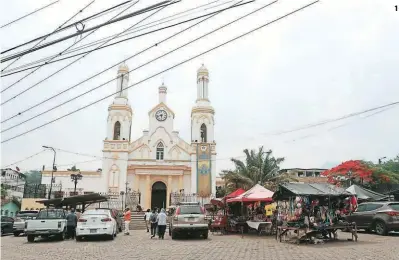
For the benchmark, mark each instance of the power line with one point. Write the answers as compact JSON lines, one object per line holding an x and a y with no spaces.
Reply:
{"x":71,"y":63}
{"x":94,"y":16}
{"x":132,"y":56}
{"x":27,"y":158}
{"x":342,"y":125}
{"x":25,"y":67}
{"x":336,"y":119}
{"x":150,"y":8}
{"x":161,"y":56}
{"x":169,"y":68}
{"x":22,"y":17}
{"x":58,"y":28}
{"x":33,"y":71}
{"x":127,"y":39}
{"x":117,"y":159}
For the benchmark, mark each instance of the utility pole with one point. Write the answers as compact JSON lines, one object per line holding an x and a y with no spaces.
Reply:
{"x":380,"y":159}
{"x":52,"y":171}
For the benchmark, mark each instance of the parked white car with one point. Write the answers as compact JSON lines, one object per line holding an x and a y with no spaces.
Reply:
{"x":48,"y":222}
{"x":96,"y":222}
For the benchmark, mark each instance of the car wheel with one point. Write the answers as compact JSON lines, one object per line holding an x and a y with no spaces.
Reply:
{"x":78,"y":238}
{"x":17,"y":234}
{"x":381,"y":228}
{"x":61,"y":236}
{"x":31,"y":238}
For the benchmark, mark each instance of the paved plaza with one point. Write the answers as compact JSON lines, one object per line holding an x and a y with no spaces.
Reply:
{"x":227,"y":247}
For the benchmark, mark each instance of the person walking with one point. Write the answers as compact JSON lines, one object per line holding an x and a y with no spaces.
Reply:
{"x":127,"y":216}
{"x":72,"y":221}
{"x":161,"y":224}
{"x":154,"y":222}
{"x":147,"y":220}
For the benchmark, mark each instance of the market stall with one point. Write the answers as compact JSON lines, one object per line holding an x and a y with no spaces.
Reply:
{"x":364,"y":194}
{"x":220,"y":222}
{"x":313,"y":212}
{"x":255,"y":200}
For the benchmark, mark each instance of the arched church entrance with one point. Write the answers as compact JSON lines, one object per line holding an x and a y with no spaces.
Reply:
{"x":158,"y":195}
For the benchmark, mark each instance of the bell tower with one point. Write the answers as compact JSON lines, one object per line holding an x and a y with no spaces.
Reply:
{"x":202,"y":134}
{"x":116,"y":144}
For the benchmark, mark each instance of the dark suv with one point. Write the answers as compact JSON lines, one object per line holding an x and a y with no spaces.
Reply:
{"x":382,"y":217}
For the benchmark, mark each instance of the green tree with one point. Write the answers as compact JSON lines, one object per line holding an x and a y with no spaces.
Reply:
{"x":33,"y":177}
{"x":389,"y":170}
{"x":259,"y":167}
{"x":4,"y":190}
{"x":73,"y":169}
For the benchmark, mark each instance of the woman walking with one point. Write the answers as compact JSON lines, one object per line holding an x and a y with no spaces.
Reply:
{"x":154,"y":222}
{"x":147,"y":220}
{"x":162,"y":224}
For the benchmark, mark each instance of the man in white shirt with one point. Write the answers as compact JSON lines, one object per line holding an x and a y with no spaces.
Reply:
{"x":161,"y":223}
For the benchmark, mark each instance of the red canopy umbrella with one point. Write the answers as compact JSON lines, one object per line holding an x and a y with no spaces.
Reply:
{"x":256,"y":193}
{"x":235,"y":193}
{"x":220,"y":201}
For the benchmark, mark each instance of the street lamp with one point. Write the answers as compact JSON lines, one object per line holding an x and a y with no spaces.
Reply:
{"x":75,"y":178}
{"x":52,"y":171}
{"x":122,"y":193}
{"x":380,"y":160}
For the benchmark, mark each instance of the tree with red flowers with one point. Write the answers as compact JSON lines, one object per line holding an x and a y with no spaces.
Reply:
{"x":354,"y":171}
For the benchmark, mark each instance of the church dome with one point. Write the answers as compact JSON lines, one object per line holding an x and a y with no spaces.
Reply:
{"x":123,"y":68}
{"x":202,"y":71}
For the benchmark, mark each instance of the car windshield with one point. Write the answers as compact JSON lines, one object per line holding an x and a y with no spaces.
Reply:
{"x":195,"y":209}
{"x":394,"y":206}
{"x":50,"y":214}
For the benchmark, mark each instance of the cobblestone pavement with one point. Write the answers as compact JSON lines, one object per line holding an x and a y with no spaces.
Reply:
{"x":139,"y":246}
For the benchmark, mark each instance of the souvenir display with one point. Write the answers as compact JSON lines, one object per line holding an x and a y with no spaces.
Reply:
{"x":313,"y":213}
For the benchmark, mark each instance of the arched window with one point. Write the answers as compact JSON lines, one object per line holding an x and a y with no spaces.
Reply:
{"x":160,"y":151}
{"x":117,"y":130}
{"x":203,"y":133}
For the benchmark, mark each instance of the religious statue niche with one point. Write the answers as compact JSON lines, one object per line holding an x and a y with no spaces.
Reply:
{"x":203,"y":133}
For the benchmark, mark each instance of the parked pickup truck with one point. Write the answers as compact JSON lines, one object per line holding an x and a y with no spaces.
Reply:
{"x":49,"y":222}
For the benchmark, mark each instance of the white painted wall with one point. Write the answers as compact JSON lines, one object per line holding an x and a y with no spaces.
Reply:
{"x":88,"y":183}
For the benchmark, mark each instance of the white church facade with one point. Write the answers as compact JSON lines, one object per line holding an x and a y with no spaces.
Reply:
{"x":160,"y":161}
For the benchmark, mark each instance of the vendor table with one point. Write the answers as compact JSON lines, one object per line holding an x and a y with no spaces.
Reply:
{"x":303,"y":234}
{"x":260,"y":226}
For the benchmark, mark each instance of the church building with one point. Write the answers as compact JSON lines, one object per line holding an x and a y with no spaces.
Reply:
{"x":160,"y":162}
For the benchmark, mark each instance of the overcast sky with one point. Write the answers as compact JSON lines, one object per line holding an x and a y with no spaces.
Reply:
{"x":334,"y":58}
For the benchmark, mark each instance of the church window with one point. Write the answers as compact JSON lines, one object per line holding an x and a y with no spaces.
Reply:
{"x":203,"y":133}
{"x":160,"y":151}
{"x":117,"y":130}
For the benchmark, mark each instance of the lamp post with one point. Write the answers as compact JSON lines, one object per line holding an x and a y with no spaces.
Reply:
{"x":380,"y":159}
{"x":52,"y":171}
{"x":122,"y":193}
{"x":75,"y":178}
